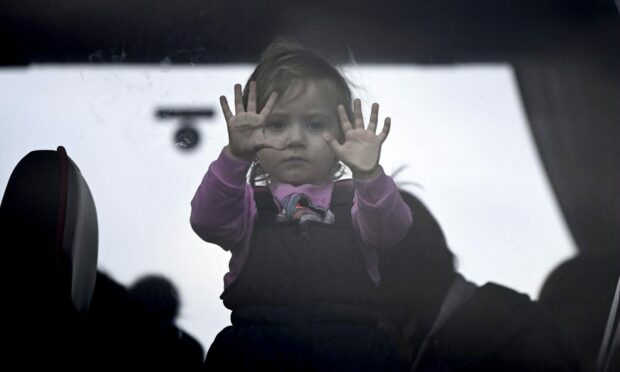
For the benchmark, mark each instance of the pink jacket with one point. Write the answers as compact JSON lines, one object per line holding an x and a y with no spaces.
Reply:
{"x":223,"y":211}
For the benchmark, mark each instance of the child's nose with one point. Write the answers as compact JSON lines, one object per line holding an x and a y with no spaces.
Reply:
{"x":295,"y":135}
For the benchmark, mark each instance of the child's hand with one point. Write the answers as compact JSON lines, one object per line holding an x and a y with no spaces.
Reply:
{"x":362,"y":147}
{"x":245,"y":128}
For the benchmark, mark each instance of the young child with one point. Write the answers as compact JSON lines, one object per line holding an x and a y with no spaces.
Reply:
{"x":303,"y":276}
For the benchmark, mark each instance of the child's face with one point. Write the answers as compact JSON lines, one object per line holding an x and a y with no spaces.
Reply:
{"x":299,"y":118}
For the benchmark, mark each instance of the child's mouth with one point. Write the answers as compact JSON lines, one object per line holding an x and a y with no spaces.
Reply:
{"x":295,"y":159}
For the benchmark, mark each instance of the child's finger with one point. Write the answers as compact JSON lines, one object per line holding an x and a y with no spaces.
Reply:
{"x":344,"y":120}
{"x":332,"y":142}
{"x":252,"y":97}
{"x":374,"y":117}
{"x":225,"y":109}
{"x":386,"y":129}
{"x":357,"y":113}
{"x":238,"y":100}
{"x":269,"y":105}
{"x":270,"y":143}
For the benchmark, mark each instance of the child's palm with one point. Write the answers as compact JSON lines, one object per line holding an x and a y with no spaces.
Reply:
{"x":361,"y":148}
{"x":245,"y":128}
{"x":245,"y":133}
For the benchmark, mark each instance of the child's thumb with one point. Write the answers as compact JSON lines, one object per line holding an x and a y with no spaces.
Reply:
{"x":332,"y":142}
{"x":273,"y":144}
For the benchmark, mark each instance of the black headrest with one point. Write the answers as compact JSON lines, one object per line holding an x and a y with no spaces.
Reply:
{"x":48,"y":216}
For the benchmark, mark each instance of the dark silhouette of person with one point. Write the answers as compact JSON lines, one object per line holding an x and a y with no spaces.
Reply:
{"x":579,"y":294}
{"x":442,"y":322}
{"x":59,"y":310}
{"x":162,"y":301}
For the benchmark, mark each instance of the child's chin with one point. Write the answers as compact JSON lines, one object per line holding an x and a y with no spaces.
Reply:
{"x":296,"y":179}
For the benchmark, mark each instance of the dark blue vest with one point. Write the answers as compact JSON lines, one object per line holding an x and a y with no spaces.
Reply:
{"x":312,"y":271}
{"x":304,"y":300}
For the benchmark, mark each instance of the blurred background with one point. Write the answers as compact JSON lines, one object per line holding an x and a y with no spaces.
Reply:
{"x":506,"y":122}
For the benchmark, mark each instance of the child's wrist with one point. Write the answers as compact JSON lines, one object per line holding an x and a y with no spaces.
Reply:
{"x":367,"y":175}
{"x":231,"y":154}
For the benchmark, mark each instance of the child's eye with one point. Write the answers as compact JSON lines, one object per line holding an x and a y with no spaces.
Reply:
{"x":315,"y":125}
{"x":276,"y":125}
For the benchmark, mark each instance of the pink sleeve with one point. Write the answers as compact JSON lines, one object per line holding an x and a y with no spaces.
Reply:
{"x":379,"y":214}
{"x":223,"y":208}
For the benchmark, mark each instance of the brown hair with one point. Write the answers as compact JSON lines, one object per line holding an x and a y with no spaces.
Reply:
{"x":284,"y":64}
